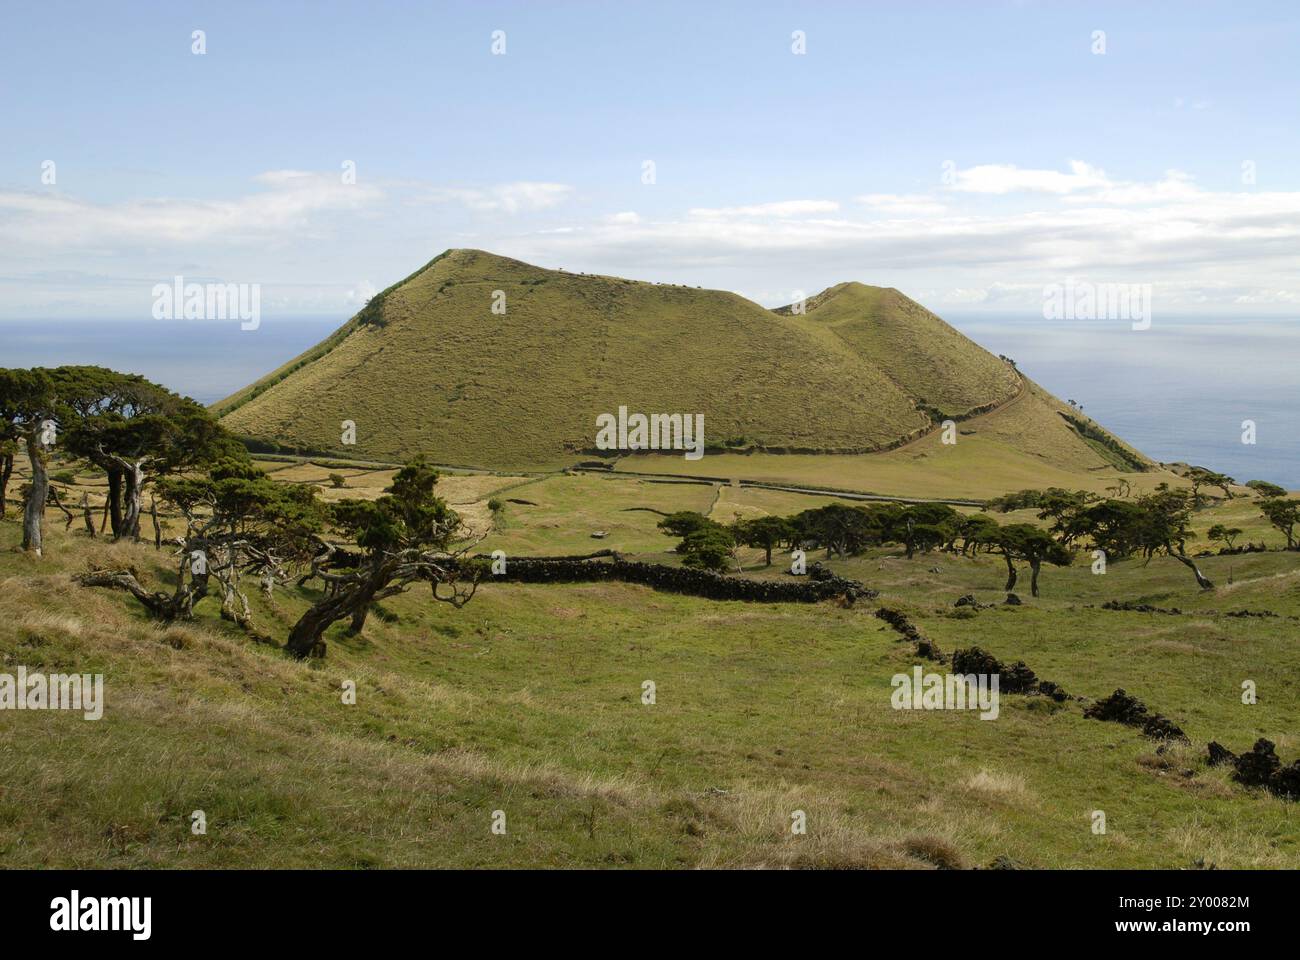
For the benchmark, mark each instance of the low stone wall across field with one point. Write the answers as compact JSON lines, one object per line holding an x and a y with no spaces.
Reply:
{"x":819,"y":585}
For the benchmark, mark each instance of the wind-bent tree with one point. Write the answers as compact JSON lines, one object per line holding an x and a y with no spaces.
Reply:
{"x":1065,"y":508}
{"x":683,"y":523}
{"x":29,"y":411}
{"x":841,"y":529}
{"x":1283,"y":514}
{"x":1020,"y":500}
{"x":709,"y":548}
{"x":1204,"y":477}
{"x":136,"y":431}
{"x":1113,"y":526}
{"x":922,"y":526}
{"x":977,"y":530}
{"x":1225,"y":535}
{"x":1265,"y":489}
{"x":237,"y":521}
{"x":705,"y":543}
{"x":406,"y":537}
{"x":766,"y":533}
{"x":1163,"y":528}
{"x":132,"y":429}
{"x":1026,"y":543}
{"x":1122,"y":487}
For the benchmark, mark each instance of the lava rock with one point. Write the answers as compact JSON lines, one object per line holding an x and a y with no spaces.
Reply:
{"x":1256,"y":768}
{"x":1220,"y":754}
{"x":1016,"y":678}
{"x":1119,"y":707}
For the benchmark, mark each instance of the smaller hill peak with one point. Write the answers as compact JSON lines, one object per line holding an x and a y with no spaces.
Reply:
{"x":850,"y":290}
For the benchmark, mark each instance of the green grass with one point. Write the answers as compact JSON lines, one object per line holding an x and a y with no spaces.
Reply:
{"x":529,"y":701}
{"x":913,"y":348}
{"x":427,"y":367}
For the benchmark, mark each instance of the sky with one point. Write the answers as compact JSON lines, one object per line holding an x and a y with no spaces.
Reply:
{"x":968,"y":153}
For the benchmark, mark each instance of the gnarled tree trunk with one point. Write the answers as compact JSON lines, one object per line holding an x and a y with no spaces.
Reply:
{"x":307,"y":632}
{"x":1201,"y":580}
{"x":34,"y":510}
{"x":133,"y":499}
{"x":114,"y":503}
{"x":6,"y":471}
{"x":178,"y":606}
{"x":85,"y":514}
{"x":1011,"y":574}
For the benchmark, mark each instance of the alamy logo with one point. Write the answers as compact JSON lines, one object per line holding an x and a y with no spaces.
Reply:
{"x":74,"y":913}
{"x":659,"y":431}
{"x":953,"y":691}
{"x":209,"y":301}
{"x":1098,"y":301}
{"x":58,"y":691}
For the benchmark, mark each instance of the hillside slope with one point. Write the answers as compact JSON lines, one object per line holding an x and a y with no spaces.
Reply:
{"x":945,"y":370}
{"x":428,"y":367}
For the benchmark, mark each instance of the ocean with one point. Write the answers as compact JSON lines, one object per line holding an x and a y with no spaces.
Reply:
{"x":1178,"y":391}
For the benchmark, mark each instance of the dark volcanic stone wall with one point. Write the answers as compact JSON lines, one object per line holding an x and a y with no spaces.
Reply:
{"x":817,"y":586}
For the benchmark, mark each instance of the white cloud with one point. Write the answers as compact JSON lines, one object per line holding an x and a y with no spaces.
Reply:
{"x":289,"y":204}
{"x":1000,"y":178}
{"x":361,"y":293}
{"x":1175,"y":185}
{"x":520,"y":196}
{"x":1234,"y":247}
{"x":903,"y":204}
{"x":781,"y":208}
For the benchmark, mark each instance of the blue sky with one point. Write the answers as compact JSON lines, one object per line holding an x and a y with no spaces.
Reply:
{"x":966,"y":152}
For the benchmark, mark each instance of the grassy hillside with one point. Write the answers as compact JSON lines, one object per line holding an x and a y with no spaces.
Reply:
{"x":428,"y":367}
{"x":529,"y":701}
{"x":1026,"y":442}
{"x":950,"y":374}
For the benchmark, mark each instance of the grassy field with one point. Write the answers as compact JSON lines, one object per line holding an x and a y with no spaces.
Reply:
{"x":529,"y":701}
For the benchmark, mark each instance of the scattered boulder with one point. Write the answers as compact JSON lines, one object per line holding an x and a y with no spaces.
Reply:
{"x":1119,"y":707}
{"x":1016,"y":678}
{"x":1132,"y":607}
{"x":599,"y":534}
{"x":1258,"y":767}
{"x":1162,"y":728}
{"x":925,"y":647}
{"x":1220,"y":754}
{"x":1287,"y":782}
{"x":818,"y":572}
{"x":1049,"y":689}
